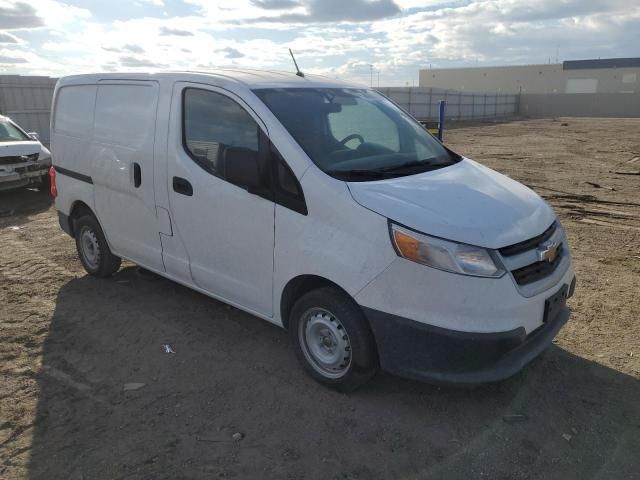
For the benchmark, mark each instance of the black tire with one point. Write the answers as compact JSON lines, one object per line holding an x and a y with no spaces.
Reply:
{"x":103,"y":263}
{"x":45,"y":184}
{"x":363,"y":359}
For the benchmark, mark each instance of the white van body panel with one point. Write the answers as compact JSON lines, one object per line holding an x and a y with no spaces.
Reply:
{"x":124,"y":135}
{"x":72,"y":126}
{"x":71,"y":138}
{"x":227,"y":233}
{"x":341,"y":234}
{"x":453,"y":202}
{"x":75,"y":192}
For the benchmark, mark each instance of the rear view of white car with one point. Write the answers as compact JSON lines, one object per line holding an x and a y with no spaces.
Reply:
{"x":316,"y":205}
{"x":24,"y":161}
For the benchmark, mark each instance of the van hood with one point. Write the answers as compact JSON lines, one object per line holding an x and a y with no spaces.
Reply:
{"x":16,"y":149}
{"x":466,"y":202}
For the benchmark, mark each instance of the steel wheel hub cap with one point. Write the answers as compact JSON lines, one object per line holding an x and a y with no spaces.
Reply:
{"x":90,"y":247}
{"x":325,"y":343}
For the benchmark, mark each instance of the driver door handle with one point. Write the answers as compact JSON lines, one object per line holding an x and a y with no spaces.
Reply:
{"x":182,"y":186}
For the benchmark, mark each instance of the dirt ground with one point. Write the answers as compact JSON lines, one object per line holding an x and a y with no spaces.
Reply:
{"x":70,"y":343}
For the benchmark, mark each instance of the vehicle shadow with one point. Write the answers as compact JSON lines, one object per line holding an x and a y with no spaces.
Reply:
{"x":114,"y":404}
{"x":17,"y":205}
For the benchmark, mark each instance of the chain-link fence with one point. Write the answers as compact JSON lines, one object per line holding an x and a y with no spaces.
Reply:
{"x":423,"y":103}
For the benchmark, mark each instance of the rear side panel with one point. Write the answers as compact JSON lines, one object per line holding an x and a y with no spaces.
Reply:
{"x":71,"y":133}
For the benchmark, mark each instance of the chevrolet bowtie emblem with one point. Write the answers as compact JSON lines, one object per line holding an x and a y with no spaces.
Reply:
{"x":548,"y":252}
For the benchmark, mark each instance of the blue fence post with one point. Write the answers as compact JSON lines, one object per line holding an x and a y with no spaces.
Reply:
{"x":441,"y":120}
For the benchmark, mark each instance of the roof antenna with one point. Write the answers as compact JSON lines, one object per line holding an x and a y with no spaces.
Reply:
{"x":298,"y":72}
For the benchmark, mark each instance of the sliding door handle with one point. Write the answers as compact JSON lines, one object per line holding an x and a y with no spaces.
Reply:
{"x":137,"y":175}
{"x":182,"y":186}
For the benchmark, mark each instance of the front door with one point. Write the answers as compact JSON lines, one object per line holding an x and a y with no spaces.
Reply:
{"x":226,"y":231}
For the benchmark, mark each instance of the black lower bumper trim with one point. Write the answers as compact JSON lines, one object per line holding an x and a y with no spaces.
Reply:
{"x":418,"y":351}
{"x":65,"y":223}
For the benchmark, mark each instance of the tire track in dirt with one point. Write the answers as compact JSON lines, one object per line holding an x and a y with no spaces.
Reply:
{"x":26,"y":276}
{"x":23,"y":263}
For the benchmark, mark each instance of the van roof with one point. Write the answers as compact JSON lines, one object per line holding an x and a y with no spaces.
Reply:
{"x":245,"y":77}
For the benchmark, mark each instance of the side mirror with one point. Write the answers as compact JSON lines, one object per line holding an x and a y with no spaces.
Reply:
{"x":240,"y":167}
{"x":34,"y":135}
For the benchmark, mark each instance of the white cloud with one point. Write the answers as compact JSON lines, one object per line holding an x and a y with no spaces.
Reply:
{"x":6,"y":37}
{"x":15,"y":15}
{"x":156,"y":3}
{"x":331,"y":37}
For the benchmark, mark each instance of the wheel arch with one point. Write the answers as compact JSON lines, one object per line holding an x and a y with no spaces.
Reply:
{"x":79,"y":209}
{"x":298,"y":286}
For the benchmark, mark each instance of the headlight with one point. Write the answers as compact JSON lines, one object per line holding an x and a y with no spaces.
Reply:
{"x":444,"y":254}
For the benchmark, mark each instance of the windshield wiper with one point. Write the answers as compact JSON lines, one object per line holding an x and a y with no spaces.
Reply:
{"x":424,"y":165}
{"x":398,"y":170}
{"x":374,"y":173}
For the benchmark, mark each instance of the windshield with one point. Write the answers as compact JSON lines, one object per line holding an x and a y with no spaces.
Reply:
{"x":356,"y":135}
{"x":10,"y":133}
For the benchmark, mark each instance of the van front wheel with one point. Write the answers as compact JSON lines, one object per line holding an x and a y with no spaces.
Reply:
{"x":93,"y":250}
{"x":333,"y":340}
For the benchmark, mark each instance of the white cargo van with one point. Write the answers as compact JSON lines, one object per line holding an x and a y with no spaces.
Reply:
{"x":316,"y":205}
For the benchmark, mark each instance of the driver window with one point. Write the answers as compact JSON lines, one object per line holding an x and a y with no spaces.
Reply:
{"x":365,"y":120}
{"x":212,"y":123}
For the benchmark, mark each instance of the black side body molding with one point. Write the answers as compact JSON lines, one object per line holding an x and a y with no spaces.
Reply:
{"x":72,"y":174}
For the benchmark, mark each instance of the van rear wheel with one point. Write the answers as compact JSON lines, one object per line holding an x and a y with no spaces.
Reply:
{"x":332,"y":339}
{"x":93,"y":250}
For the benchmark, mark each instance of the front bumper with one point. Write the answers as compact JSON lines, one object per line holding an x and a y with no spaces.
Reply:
{"x":418,"y":351}
{"x":455,"y":329}
{"x":23,"y":174}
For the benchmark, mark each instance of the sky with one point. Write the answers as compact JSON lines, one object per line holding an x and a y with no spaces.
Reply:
{"x":345,"y":39}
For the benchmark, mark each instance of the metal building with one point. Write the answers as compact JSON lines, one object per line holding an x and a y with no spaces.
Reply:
{"x":612,"y":75}
{"x":27,"y":100}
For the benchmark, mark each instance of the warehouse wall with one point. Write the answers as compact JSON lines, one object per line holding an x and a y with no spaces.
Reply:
{"x":581,"y":105}
{"x":534,"y":79}
{"x":423,"y":103}
{"x":27,"y":100}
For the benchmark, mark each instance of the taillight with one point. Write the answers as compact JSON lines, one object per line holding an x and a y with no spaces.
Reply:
{"x":52,"y":184}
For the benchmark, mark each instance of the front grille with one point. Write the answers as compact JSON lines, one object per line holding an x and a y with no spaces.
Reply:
{"x":538,"y":270}
{"x":19,"y":159}
{"x":525,"y":259}
{"x":520,"y":247}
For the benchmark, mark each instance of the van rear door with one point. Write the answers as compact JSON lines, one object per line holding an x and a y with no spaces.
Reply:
{"x":228,"y":233}
{"x":123,"y":166}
